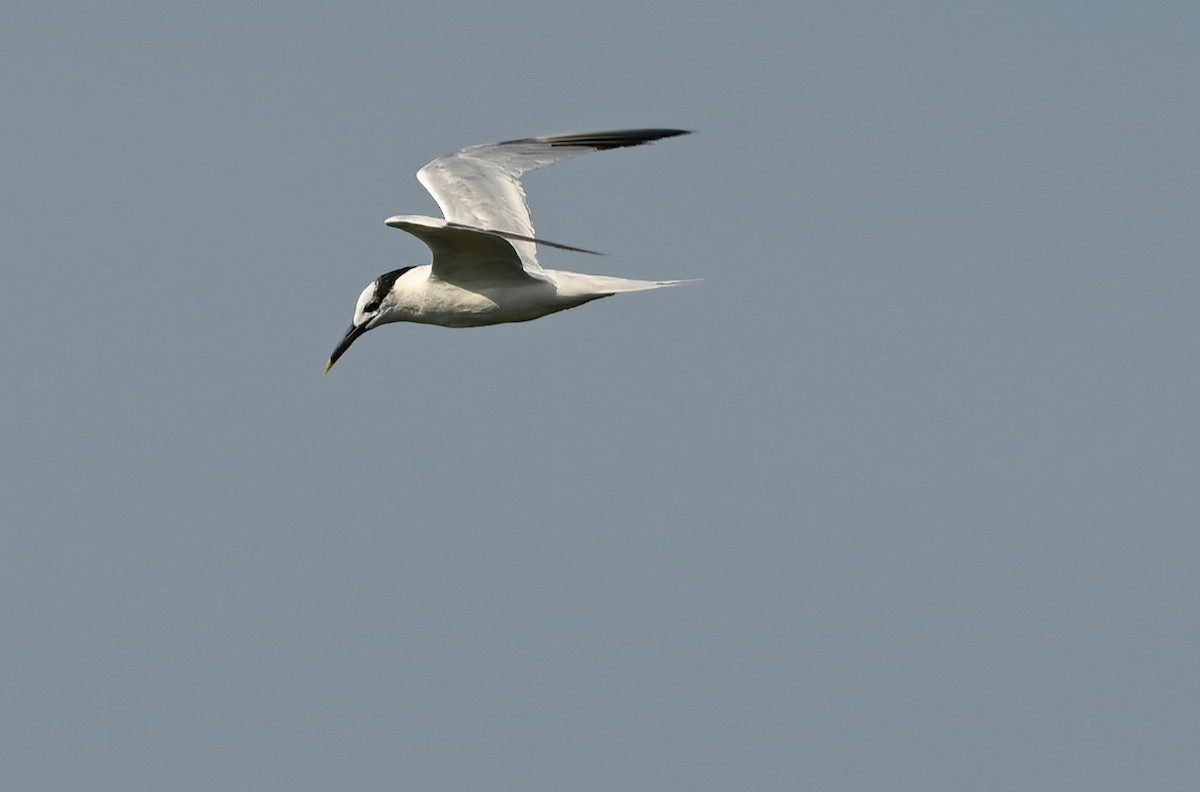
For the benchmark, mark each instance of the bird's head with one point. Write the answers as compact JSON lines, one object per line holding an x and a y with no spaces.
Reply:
{"x":369,"y":312}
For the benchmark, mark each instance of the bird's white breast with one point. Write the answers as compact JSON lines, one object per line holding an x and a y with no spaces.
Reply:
{"x":418,"y":297}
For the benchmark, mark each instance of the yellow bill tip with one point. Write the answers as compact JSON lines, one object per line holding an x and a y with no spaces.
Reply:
{"x":328,"y":365}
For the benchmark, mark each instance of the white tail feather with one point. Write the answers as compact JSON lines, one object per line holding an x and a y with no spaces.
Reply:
{"x":576,"y":283}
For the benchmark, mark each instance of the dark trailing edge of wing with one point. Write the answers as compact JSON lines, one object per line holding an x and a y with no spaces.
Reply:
{"x":602,"y":141}
{"x":523,"y":238}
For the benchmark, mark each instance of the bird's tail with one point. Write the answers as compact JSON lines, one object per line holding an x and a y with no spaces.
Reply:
{"x":571,"y":282}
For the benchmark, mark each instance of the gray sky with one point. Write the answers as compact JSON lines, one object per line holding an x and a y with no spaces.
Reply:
{"x":903,"y":496}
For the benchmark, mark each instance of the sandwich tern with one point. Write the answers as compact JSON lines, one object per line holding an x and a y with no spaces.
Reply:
{"x":485,"y":269}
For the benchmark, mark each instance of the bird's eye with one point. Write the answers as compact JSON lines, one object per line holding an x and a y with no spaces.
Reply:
{"x":371,"y":306}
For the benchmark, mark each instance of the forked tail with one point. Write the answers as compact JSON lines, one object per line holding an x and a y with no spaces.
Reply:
{"x":578,"y":283}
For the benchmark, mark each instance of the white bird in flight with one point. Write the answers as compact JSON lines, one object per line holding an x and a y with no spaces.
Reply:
{"x":485,"y":269}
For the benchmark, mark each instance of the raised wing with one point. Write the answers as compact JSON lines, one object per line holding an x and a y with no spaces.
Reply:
{"x":465,"y":255}
{"x":480,"y":186}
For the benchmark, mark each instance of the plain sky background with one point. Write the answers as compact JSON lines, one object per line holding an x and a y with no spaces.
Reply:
{"x":904,"y":495}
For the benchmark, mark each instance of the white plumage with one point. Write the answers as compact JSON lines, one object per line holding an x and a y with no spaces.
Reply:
{"x":485,"y":268}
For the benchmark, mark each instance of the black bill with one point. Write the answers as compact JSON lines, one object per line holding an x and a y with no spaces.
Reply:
{"x":351,"y":336}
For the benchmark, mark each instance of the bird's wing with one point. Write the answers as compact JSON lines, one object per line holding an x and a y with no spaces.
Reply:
{"x":480,"y":186}
{"x":466,"y":255}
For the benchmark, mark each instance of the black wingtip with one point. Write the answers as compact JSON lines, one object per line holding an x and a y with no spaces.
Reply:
{"x":602,"y":141}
